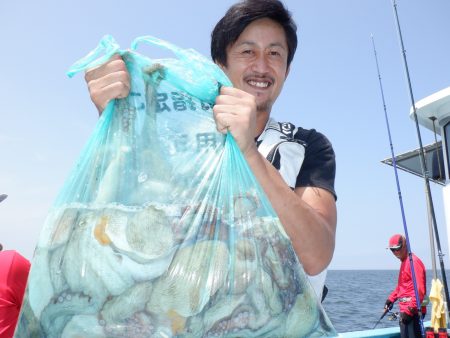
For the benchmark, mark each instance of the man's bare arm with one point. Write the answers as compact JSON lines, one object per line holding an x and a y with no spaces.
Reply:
{"x":308,"y":214}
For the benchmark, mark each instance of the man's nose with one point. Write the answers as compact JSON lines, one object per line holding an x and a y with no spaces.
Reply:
{"x":260,"y":64}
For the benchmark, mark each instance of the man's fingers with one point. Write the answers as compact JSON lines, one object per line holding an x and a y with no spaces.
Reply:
{"x":235,"y":97}
{"x":227,"y":100}
{"x":222,"y":124}
{"x":233,"y":92}
{"x":115,"y":64}
{"x":223,"y":118}
{"x":223,"y":109}
{"x":105,"y":94}
{"x":111,"y":86}
{"x":121,"y":77}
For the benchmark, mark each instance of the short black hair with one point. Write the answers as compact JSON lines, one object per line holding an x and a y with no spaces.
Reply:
{"x":240,"y":15}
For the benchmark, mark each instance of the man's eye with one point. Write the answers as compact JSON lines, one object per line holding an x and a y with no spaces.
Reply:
{"x":274,"y":53}
{"x":247,"y":51}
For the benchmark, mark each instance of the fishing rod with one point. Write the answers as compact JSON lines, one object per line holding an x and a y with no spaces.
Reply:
{"x":392,"y":316}
{"x":379,"y":320}
{"x":394,"y":164}
{"x":422,"y":160}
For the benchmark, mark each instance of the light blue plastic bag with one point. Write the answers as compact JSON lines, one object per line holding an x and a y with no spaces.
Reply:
{"x":162,"y":230}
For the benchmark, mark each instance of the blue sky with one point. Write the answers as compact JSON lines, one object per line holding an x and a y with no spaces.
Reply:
{"x":46,"y":118}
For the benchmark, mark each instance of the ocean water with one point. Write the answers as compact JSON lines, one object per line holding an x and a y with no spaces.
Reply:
{"x":356,"y":298}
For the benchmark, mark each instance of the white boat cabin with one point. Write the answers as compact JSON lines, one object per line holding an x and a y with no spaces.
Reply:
{"x":433,"y":113}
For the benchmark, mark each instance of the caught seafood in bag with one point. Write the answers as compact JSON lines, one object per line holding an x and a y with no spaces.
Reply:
{"x":161,"y":229}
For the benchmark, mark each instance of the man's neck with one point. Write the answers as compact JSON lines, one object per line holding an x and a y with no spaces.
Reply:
{"x":404,"y":258}
{"x":261,"y":121}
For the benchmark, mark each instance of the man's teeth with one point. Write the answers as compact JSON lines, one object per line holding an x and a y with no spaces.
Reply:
{"x":259,"y":84}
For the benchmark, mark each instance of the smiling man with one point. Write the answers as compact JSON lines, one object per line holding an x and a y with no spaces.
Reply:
{"x":254,"y":44}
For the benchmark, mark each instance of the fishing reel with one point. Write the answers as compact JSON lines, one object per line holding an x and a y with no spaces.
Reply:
{"x":391,"y":316}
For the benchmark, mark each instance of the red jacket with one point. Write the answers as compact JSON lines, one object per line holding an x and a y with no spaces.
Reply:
{"x":13,"y":279}
{"x":404,"y":292}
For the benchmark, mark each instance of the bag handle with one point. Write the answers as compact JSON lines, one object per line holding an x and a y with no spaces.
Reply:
{"x":151,"y":40}
{"x":191,"y":56}
{"x":180,"y":53}
{"x":202,"y":79}
{"x":107,"y":46}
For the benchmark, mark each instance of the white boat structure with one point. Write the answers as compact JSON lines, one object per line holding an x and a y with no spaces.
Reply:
{"x":433,"y":113}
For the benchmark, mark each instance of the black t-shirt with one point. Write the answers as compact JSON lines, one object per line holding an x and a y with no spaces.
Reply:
{"x":304,"y":157}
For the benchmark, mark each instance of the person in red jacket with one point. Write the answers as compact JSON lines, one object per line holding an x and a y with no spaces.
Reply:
{"x":14,"y":270}
{"x":404,"y":292}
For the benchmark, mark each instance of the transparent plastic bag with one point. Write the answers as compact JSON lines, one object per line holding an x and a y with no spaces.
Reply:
{"x":162,"y":230}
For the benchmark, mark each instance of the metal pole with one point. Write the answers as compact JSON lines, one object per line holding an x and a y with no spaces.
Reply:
{"x":432,"y":247}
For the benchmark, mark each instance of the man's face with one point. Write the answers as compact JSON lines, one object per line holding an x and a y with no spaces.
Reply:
{"x":401,"y":253}
{"x":257,"y":61}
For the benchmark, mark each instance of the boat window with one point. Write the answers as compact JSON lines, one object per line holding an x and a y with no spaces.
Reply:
{"x":434,"y":160}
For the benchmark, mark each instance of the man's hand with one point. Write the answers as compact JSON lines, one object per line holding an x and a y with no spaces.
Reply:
{"x":107,"y":82}
{"x":388,"y":305}
{"x":235,"y":111}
